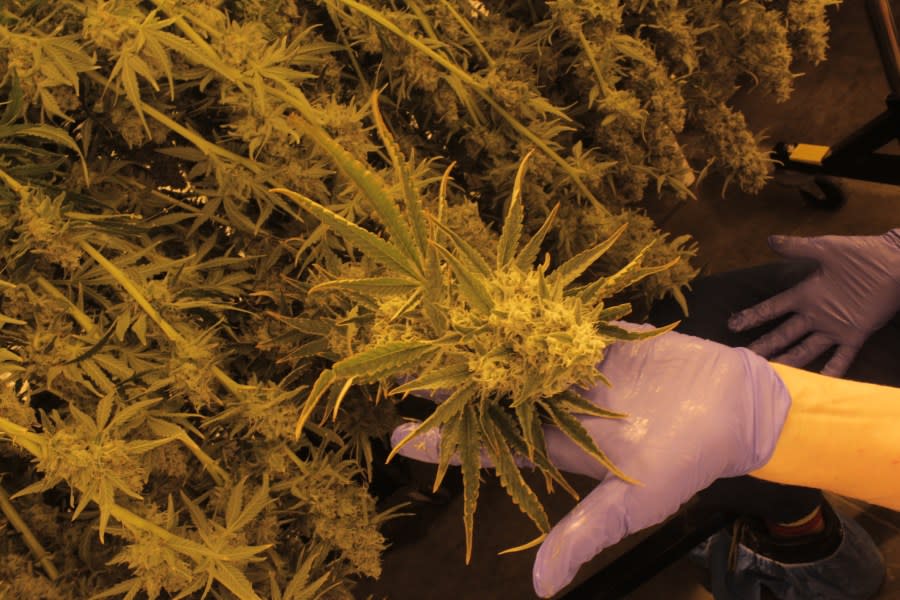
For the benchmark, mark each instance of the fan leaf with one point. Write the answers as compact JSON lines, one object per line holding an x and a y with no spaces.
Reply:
{"x":470,"y":461}
{"x":385,"y":359}
{"x":628,"y":335}
{"x":576,"y":432}
{"x":471,"y":285}
{"x":528,"y":254}
{"x":373,"y":286}
{"x":410,"y":196}
{"x":606,"y":286}
{"x":444,"y":378}
{"x":373,"y":246}
{"x":471,"y":257}
{"x":450,"y":439}
{"x":443,"y":413}
{"x":374,"y":189}
{"x":510,"y":476}
{"x":323,"y":382}
{"x":575,"y":403}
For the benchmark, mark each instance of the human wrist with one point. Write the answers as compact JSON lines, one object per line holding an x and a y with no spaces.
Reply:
{"x":839,"y":435}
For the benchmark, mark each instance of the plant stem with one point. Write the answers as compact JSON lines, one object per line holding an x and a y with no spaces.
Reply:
{"x":586,"y":48}
{"x":204,"y":145}
{"x":230,"y":73}
{"x":12,"y":183}
{"x":473,"y":35}
{"x":27,"y":439}
{"x":123,"y":280}
{"x":170,"y":331}
{"x":467,"y":78}
{"x":123,"y":515}
{"x":85,"y":321}
{"x":28,"y":537}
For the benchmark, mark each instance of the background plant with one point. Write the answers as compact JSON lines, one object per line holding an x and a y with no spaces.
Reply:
{"x":163,"y":312}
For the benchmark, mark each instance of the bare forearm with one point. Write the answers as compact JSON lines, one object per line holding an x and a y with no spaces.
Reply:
{"x":840,"y":435}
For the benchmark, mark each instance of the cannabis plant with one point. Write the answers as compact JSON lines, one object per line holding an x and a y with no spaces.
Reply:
{"x":506,"y":339}
{"x":225,"y":257}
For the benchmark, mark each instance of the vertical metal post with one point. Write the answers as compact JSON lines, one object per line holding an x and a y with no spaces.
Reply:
{"x":885,"y":29}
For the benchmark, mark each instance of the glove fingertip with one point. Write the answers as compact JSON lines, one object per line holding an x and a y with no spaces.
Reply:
{"x":761,"y":348}
{"x":840,"y":362}
{"x":776,"y":240}
{"x":599,"y":520}
{"x":785,"y":245}
{"x":401,"y":431}
{"x":738,"y":322}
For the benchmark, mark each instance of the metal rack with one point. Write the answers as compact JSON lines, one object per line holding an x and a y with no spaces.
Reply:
{"x":856,"y":155}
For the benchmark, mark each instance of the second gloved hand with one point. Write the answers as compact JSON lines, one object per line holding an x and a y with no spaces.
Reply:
{"x":697,"y":411}
{"x":854,"y":292}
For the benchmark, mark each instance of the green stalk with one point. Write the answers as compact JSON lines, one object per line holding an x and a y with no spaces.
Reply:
{"x":16,"y":520}
{"x":467,"y":78}
{"x":473,"y":35}
{"x":170,"y":332}
{"x":12,"y":183}
{"x":29,"y":440}
{"x":342,"y":35}
{"x":123,"y":280}
{"x":198,"y":140}
{"x":585,"y":47}
{"x":423,"y":19}
{"x":230,"y":73}
{"x":85,"y":321}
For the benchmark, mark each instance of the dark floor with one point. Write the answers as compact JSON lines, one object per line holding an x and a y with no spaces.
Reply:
{"x":830,"y":101}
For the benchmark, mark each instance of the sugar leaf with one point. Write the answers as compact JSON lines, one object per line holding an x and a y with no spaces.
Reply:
{"x":512,"y":224}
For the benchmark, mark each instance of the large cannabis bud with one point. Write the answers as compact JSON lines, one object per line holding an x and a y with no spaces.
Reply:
{"x":506,"y":339}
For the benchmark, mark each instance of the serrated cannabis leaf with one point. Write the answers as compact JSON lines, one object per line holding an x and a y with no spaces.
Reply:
{"x":374,"y":286}
{"x":374,"y":246}
{"x":451,"y":436}
{"x":573,"y":268}
{"x":470,"y":461}
{"x":453,"y":405}
{"x":435,"y":379}
{"x":510,"y":476}
{"x":576,"y":432}
{"x":381,"y":360}
{"x":472,"y":285}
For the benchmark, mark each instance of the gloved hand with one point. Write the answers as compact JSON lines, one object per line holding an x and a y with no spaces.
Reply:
{"x":698,"y":411}
{"x":854,"y":292}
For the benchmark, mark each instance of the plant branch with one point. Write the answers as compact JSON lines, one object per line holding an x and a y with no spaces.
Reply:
{"x":16,"y":520}
{"x":467,"y":78}
{"x":167,"y":328}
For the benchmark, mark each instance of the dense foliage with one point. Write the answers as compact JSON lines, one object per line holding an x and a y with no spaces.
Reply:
{"x":231,"y":229}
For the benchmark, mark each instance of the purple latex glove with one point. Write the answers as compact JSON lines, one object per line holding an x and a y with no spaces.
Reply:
{"x":698,"y":411}
{"x":854,"y":292}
